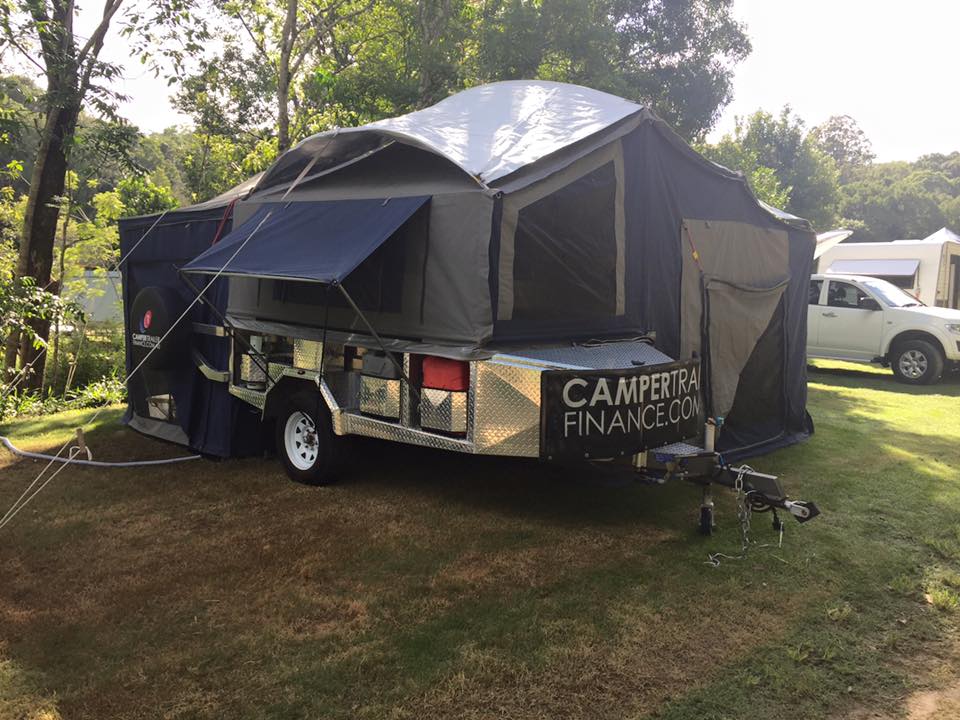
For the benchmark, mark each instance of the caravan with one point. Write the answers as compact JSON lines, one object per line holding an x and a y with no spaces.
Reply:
{"x":928,"y":269}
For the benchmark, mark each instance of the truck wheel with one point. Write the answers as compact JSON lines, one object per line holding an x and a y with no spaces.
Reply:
{"x":917,"y":362}
{"x":306,"y":443}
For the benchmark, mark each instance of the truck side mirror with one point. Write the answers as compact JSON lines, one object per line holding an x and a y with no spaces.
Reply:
{"x":869,"y":304}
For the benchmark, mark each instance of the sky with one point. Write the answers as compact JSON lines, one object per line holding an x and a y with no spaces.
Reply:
{"x":889,"y":64}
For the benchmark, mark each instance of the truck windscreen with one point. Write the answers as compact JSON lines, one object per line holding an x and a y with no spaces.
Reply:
{"x":891,"y":295}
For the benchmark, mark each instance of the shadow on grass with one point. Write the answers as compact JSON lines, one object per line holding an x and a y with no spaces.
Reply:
{"x":603,"y":494}
{"x":848,"y":376}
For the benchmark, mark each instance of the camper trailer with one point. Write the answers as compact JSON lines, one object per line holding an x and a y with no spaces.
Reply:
{"x":526,"y":269}
{"x":928,"y":269}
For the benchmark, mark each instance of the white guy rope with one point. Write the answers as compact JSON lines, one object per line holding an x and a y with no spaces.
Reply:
{"x":12,"y":512}
{"x":13,"y":508}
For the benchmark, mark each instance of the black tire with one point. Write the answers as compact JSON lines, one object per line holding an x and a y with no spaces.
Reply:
{"x":917,"y":362}
{"x":315,"y":460}
{"x":706,"y":520}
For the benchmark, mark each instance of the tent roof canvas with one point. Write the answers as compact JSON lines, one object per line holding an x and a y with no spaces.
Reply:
{"x":489,"y":131}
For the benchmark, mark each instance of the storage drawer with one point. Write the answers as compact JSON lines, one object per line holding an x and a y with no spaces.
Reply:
{"x":444,"y":410}
{"x":379,"y":396}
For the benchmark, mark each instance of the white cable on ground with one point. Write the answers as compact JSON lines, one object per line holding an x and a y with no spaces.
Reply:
{"x":92,"y":463}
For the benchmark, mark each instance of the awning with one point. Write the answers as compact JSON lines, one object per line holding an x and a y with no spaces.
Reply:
{"x":875,"y":268}
{"x":829,"y":240}
{"x":312,"y":241}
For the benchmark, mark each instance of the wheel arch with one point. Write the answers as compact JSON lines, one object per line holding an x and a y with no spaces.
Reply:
{"x":907,"y":335}
{"x":283,"y":390}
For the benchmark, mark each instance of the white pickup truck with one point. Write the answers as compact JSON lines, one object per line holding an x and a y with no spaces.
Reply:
{"x":864,"y":319}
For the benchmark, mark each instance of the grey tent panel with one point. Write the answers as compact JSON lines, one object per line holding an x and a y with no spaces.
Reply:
{"x":737,"y":253}
{"x":880,"y":268}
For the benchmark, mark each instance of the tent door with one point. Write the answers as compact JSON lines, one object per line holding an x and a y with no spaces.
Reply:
{"x":759,"y":416}
{"x":736,"y":318}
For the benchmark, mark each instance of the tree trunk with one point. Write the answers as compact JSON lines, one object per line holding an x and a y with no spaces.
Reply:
{"x":283,"y":76}
{"x":40,"y":221}
{"x":283,"y":112}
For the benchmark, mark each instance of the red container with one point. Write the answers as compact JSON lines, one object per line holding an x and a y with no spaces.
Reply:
{"x":445,"y":374}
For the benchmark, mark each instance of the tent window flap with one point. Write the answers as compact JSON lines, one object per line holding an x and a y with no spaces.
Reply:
{"x":309,"y":241}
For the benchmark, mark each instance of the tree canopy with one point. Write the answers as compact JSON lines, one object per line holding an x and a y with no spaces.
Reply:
{"x":806,"y":177}
{"x":288,"y":69}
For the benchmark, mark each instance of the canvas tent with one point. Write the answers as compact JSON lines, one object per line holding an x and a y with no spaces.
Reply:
{"x":520,"y":213}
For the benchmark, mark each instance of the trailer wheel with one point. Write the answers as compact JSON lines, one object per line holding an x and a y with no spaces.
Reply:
{"x":917,"y":362}
{"x":305,"y":441}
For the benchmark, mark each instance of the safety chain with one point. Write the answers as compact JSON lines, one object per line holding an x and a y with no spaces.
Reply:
{"x":744,"y":512}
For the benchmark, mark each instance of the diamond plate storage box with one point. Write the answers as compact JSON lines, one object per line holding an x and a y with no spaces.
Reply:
{"x":253,"y":368}
{"x":443,"y":410}
{"x":307,"y":354}
{"x":379,"y":396}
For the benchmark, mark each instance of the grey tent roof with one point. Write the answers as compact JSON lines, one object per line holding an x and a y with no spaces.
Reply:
{"x":238,"y":192}
{"x":488,"y":131}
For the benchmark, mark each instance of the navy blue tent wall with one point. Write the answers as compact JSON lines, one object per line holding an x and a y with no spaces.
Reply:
{"x":212,"y":421}
{"x":670,"y":184}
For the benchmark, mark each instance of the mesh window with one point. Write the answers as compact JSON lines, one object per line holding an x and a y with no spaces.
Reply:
{"x":565,"y":252}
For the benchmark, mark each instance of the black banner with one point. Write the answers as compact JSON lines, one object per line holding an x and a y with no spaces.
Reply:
{"x":609,"y":413}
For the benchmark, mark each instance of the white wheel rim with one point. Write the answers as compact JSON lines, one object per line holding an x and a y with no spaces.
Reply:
{"x":300,"y":440}
{"x":913,"y":364}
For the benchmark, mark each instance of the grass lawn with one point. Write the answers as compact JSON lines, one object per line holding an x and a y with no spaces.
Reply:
{"x":438,"y":586}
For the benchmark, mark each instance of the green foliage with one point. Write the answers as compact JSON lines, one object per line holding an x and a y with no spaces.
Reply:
{"x":806,"y":177}
{"x":841,"y":138}
{"x":213,"y":164}
{"x":138,"y":195}
{"x":762,"y":180}
{"x":828,"y":176}
{"x":22,"y":302}
{"x":369,"y":59}
{"x":902,"y":200}
{"x":107,"y":390}
{"x":781,"y":143}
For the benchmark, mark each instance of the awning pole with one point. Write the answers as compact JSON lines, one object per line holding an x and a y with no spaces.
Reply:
{"x":376,"y":337}
{"x":254,"y":354}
